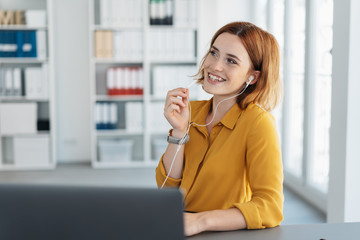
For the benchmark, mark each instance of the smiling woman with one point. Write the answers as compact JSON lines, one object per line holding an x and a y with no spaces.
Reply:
{"x":225,"y":152}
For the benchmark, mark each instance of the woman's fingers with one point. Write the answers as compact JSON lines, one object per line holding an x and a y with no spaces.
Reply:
{"x":181,"y":92}
{"x":175,"y":100}
{"x":174,"y":107}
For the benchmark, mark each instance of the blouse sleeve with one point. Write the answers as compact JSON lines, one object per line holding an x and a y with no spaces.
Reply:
{"x":265,"y":175}
{"x":161,"y":176}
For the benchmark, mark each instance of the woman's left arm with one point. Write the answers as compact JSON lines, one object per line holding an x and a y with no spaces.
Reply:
{"x":264,"y":171}
{"x":215,"y":220}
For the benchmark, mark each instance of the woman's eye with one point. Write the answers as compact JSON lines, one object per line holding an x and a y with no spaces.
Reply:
{"x":229,"y":60}
{"x":213,"y":53}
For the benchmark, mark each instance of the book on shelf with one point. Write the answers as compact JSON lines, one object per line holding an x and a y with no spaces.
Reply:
{"x":106,"y":116}
{"x":124,"y":81}
{"x":23,"y":43}
{"x":36,"y":80}
{"x":167,"y":77}
{"x":134,"y":116}
{"x":161,"y":12}
{"x":128,"y":45}
{"x":185,"y":13}
{"x":172,"y":45}
{"x":104,"y":44}
{"x":111,"y":116}
{"x":31,"y":82}
{"x":120,"y":13}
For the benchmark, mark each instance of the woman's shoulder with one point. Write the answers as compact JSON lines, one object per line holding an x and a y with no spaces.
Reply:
{"x":254,"y":112}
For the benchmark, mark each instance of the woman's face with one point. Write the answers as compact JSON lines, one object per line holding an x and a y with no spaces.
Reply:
{"x":226,"y":67}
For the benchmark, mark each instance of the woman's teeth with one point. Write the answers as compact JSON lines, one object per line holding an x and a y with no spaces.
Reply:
{"x":215,"y":78}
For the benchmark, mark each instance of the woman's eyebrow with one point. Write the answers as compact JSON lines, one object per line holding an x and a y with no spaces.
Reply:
{"x":228,"y":54}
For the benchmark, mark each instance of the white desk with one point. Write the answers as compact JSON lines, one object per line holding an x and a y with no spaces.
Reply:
{"x":333,"y":231}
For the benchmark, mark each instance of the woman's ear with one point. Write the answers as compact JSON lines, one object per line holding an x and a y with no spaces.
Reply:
{"x":254,"y":77}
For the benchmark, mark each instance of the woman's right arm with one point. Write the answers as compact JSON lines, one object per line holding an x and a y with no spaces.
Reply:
{"x":176,"y":112}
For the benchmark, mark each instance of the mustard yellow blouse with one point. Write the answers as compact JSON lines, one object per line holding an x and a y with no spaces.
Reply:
{"x":238,"y":165}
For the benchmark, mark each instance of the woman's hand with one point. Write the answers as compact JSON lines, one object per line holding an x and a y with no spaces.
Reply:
{"x":193,"y":223}
{"x":176,"y":110}
{"x":214,"y":220}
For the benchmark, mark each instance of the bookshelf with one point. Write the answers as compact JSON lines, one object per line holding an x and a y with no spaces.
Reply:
{"x":158,"y":38}
{"x":27,"y":122}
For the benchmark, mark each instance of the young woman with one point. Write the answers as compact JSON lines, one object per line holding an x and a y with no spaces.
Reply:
{"x":225,"y":152}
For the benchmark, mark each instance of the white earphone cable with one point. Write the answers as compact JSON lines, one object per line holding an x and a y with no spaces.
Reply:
{"x":200,"y":125}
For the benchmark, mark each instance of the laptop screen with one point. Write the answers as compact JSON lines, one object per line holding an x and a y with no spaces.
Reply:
{"x":44,"y":212}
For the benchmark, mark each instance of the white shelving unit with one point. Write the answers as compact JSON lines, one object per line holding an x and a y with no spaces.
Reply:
{"x":29,"y":143}
{"x":152,"y":131}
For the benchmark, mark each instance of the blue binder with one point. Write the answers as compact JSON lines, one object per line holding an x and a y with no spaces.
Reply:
{"x":8,"y":43}
{"x":29,"y":44}
{"x":20,"y":40}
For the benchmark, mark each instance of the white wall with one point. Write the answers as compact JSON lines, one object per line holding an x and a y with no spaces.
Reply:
{"x":344,"y":191}
{"x":71,"y":51}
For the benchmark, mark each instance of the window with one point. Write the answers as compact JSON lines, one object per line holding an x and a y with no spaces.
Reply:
{"x":319,"y":167}
{"x":304,"y":32}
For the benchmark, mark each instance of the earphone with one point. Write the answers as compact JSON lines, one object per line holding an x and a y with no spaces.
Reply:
{"x":250,"y":79}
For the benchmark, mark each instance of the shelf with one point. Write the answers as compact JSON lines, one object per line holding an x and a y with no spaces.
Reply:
{"x":180,"y":60}
{"x":21,"y":27}
{"x":39,"y":133}
{"x":115,"y":28}
{"x":192,"y":61}
{"x":22,"y":60}
{"x":21,"y":99}
{"x":173,"y":27}
{"x":116,"y":133}
{"x":119,"y":98}
{"x":12,"y":167}
{"x":115,"y":61}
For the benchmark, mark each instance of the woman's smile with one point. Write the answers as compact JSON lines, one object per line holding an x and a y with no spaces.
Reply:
{"x":214,"y":79}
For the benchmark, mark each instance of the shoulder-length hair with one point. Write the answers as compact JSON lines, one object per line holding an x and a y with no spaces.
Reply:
{"x":263,"y":51}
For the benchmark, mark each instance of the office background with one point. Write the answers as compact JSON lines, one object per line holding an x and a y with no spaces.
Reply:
{"x":317,"y":121}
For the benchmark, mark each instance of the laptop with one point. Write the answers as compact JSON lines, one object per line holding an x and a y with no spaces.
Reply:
{"x":43,"y":212}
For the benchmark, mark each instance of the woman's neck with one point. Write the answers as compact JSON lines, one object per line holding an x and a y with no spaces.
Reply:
{"x":222,"y":109}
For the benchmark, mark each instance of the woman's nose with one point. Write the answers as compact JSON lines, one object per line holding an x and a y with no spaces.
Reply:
{"x":218,"y":65}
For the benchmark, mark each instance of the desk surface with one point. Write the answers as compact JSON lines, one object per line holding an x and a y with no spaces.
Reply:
{"x":328,"y":231}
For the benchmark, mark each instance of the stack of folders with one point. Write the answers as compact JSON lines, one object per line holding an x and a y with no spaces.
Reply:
{"x":185,"y":13}
{"x":124,"y":81}
{"x":122,"y":46}
{"x":161,"y":12}
{"x":106,"y":115}
{"x":120,"y":13}
{"x":104,"y":44}
{"x":23,"y":43}
{"x":172,"y":45}
{"x":31,"y":82}
{"x":166,"y":78}
{"x":134,"y":117}
{"x":128,"y":46}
